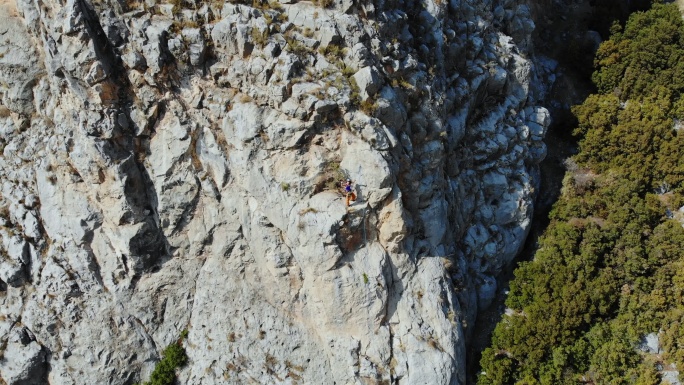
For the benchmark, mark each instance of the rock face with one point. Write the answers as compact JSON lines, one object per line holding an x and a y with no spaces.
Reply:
{"x":175,"y":167}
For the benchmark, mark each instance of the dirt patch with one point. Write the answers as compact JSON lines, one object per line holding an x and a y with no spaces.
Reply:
{"x":9,"y":8}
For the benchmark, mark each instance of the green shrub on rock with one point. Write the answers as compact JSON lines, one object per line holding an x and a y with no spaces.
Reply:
{"x":173,"y":357}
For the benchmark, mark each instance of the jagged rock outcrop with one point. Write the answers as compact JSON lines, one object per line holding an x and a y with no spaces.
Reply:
{"x":170,"y":167}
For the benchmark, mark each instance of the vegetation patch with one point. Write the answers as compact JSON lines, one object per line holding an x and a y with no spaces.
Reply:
{"x":323,"y":3}
{"x":173,"y":357}
{"x":296,"y":47}
{"x":369,"y":106}
{"x":610,"y":266}
{"x":258,"y":37}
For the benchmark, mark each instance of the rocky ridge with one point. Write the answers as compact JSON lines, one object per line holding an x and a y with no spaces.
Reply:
{"x":173,"y":166}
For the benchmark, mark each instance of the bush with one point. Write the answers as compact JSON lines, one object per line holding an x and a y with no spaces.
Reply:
{"x":334,"y":176}
{"x":173,"y":357}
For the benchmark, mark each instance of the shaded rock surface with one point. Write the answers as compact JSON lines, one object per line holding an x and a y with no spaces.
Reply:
{"x":169,"y":168}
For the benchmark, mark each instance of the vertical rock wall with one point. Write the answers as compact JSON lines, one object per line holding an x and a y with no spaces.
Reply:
{"x":169,"y":167}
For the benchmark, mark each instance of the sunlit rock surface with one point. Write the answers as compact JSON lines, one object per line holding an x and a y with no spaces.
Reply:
{"x":168,"y":168}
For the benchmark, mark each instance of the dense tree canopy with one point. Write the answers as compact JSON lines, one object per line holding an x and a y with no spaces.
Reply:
{"x":610,"y":266}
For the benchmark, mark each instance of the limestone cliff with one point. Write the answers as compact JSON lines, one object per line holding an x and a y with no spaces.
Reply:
{"x":175,"y":166}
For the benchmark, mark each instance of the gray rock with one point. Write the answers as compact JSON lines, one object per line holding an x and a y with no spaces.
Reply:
{"x":671,"y":375}
{"x":390,"y":110}
{"x":196,"y":45}
{"x":211,"y":156}
{"x":369,"y":81}
{"x":540,"y":116}
{"x":537,"y":152}
{"x":31,"y":226}
{"x":96,"y":74}
{"x":176,"y":47}
{"x":486,"y":291}
{"x":17,"y":249}
{"x":370,"y":171}
{"x":24,"y":360}
{"x":350,"y":28}
{"x":456,"y":126}
{"x":325,"y":106}
{"x":12,"y":272}
{"x":650,"y":344}
{"x":302,"y":15}
{"x":31,"y":201}
{"x":495,"y":184}
{"x":497,"y":81}
{"x":19,"y":64}
{"x":594,"y":38}
{"x":359,"y":56}
{"x":224,"y":36}
{"x":243,"y":122}
{"x":156,"y":45}
{"x":329,"y":35}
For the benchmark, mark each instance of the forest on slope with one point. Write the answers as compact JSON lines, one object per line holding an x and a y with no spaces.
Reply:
{"x":610,"y":267}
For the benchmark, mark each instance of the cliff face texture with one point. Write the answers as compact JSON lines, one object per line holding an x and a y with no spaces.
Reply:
{"x":175,"y":166}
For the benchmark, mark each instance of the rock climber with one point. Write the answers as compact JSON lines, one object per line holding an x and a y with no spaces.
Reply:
{"x":349,"y":192}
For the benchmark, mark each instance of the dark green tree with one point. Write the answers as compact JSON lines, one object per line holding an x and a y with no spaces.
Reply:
{"x":610,"y":267}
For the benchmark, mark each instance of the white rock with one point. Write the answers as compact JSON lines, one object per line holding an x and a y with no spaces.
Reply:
{"x":651,"y":344}
{"x":152,"y":50}
{"x":223,"y":34}
{"x":23,"y":364}
{"x":31,"y":227}
{"x":368,"y":169}
{"x":211,"y":155}
{"x":242,"y":123}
